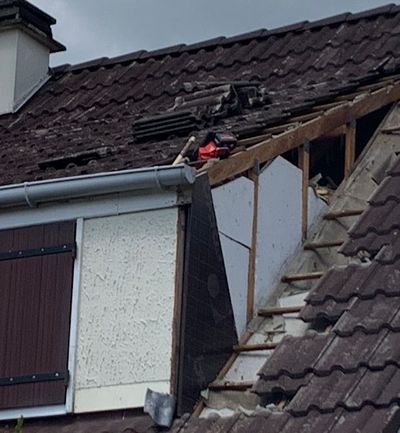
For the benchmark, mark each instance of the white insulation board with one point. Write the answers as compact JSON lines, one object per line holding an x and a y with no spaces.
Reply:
{"x":279,"y":224}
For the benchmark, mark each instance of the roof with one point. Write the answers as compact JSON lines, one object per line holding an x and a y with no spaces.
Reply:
{"x":112,"y":422}
{"x":347,"y":376}
{"x":82,"y":120}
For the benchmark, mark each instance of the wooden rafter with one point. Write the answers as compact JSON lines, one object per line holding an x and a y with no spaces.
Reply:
{"x":350,"y":148}
{"x":310,"y":130}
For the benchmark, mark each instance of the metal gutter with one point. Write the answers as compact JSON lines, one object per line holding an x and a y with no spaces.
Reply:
{"x":153,"y":178}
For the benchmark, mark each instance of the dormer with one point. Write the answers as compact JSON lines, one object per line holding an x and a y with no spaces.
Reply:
{"x":26,"y":42}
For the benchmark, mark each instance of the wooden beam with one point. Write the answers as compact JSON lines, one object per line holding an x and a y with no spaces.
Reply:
{"x":176,"y":324}
{"x":322,"y":244}
{"x":274,"y":311}
{"x":310,"y":130}
{"x":230,"y":386}
{"x":251,"y":274}
{"x":343,"y":214}
{"x":304,"y":164}
{"x":302,"y":277}
{"x":254,"y":347}
{"x":337,"y":132}
{"x":350,"y":148}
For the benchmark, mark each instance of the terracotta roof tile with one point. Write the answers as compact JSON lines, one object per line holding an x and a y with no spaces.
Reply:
{"x":91,"y":103}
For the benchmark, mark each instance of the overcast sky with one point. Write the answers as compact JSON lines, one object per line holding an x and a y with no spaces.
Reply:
{"x":97,"y":28}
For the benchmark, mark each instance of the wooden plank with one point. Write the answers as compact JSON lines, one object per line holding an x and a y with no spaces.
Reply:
{"x":304,"y":164}
{"x":337,"y":132}
{"x":319,"y":245}
{"x":254,"y":347}
{"x":275,"y":311}
{"x":198,"y":408}
{"x":302,"y":277}
{"x":343,"y":214}
{"x":350,"y":148}
{"x":251,"y":274}
{"x":176,"y":323}
{"x":310,"y":130}
{"x":230,"y":386}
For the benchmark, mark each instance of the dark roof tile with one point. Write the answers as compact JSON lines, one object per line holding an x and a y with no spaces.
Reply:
{"x":298,"y":67}
{"x":372,"y":12}
{"x":334,"y":20}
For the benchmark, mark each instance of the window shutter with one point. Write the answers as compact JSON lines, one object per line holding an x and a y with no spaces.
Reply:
{"x":36,"y":270}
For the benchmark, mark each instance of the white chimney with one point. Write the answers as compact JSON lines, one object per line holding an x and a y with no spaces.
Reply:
{"x":26,"y":42}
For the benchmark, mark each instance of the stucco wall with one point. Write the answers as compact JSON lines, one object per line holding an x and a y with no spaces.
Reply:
{"x":126,"y":309}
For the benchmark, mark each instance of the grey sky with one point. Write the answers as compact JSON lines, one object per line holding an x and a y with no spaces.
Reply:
{"x":96,"y":28}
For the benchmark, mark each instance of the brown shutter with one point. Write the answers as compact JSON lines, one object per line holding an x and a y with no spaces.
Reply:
{"x":36,"y":270}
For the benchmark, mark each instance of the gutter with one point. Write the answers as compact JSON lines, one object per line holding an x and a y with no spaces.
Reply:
{"x":153,"y":178}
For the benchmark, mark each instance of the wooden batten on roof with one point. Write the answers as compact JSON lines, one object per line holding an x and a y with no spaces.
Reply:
{"x":329,"y":120}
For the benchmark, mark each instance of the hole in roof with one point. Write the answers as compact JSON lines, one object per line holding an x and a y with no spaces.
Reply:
{"x":76,"y":159}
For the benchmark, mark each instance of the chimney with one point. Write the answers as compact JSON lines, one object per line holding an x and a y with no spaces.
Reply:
{"x":26,"y":42}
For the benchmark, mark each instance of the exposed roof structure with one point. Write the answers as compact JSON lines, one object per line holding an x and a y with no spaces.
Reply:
{"x":347,"y":378}
{"x":84,"y":120}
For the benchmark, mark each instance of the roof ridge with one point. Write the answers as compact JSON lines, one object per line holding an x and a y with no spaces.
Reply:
{"x":300,"y":26}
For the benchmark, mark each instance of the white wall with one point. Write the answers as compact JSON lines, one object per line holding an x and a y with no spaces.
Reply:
{"x":126,"y":309}
{"x":23,"y":68}
{"x":234,"y":206}
{"x":8,"y":61}
{"x":32,"y":66}
{"x":279,"y":224}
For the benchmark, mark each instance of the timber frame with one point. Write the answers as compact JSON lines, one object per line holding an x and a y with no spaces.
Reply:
{"x":338,"y":118}
{"x":324,"y":120}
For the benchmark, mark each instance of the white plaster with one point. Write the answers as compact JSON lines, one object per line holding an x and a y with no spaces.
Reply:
{"x":115,"y":397}
{"x":233,"y":203}
{"x":126,"y":302}
{"x":23,"y":67}
{"x":236,"y":258}
{"x":279,"y":224}
{"x":316,"y":207}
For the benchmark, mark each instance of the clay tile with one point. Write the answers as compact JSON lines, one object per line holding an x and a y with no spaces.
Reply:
{"x":290,"y":28}
{"x":210,"y":43}
{"x":96,"y":63}
{"x":372,"y":12}
{"x":60,"y":69}
{"x":245,"y":36}
{"x":126,"y":58}
{"x":337,"y":19}
{"x":175,"y":49}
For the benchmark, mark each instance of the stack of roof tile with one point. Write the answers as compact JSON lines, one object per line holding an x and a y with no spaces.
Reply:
{"x":346,"y":378}
{"x":86,"y":107}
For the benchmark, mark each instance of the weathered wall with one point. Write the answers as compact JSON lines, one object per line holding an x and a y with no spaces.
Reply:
{"x":234,"y":207}
{"x":126,"y":309}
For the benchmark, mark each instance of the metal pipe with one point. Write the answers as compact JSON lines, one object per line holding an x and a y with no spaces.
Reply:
{"x":153,"y":178}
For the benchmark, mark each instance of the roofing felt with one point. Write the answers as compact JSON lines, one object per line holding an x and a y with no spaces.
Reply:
{"x":346,"y":378}
{"x":82,"y":119}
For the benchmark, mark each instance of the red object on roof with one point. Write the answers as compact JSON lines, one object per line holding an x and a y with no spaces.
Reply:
{"x":211,"y":150}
